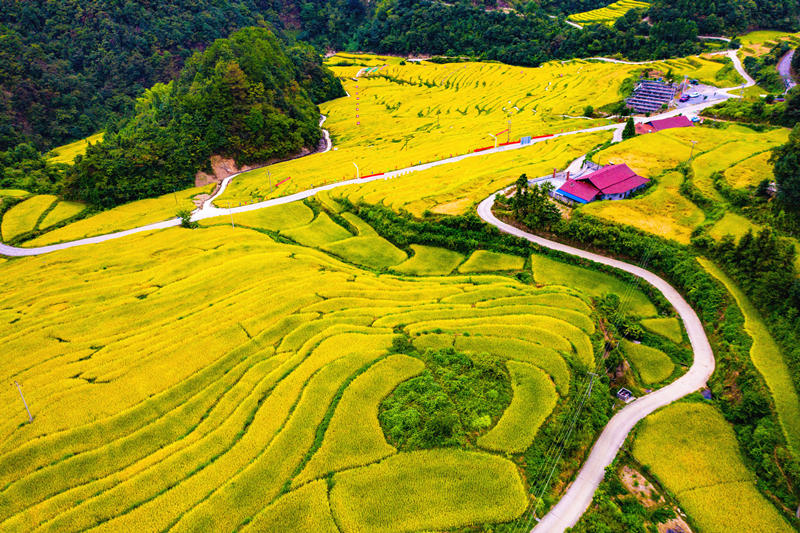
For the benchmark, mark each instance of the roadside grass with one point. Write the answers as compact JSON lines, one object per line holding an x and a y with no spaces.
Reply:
{"x":24,"y":216}
{"x":693,"y":452}
{"x":428,"y":490}
{"x":609,"y":13}
{"x":430,"y":261}
{"x":653,"y":366}
{"x":62,"y":211}
{"x":548,"y":271}
{"x":67,"y":153}
{"x":533,"y":400}
{"x":662,"y":210}
{"x":669,"y":328}
{"x":485,"y":261}
{"x":768,"y":360}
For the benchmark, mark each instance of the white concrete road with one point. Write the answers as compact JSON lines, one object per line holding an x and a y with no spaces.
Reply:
{"x":579,"y":495}
{"x":785,"y":70}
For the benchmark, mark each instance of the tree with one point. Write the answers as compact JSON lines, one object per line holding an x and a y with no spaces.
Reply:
{"x":630,"y":129}
{"x":786,"y":162}
{"x":588,"y":111}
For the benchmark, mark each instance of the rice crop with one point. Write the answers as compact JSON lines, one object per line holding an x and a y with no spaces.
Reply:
{"x":609,"y":13}
{"x":668,"y":327}
{"x":68,"y":152}
{"x":277,"y":218}
{"x":694,"y":453}
{"x":533,"y":401}
{"x":13,"y":193}
{"x":551,"y":272}
{"x":354,"y":436}
{"x":484,"y":261}
{"x":24,"y":216}
{"x":295,"y":349}
{"x":304,"y":509}
{"x":768,"y":360}
{"x":653,"y":366}
{"x":320,"y":232}
{"x":430,"y":261}
{"x":123,"y":217}
{"x":750,"y":172}
{"x":62,"y":211}
{"x":662,"y":210}
{"x":425,"y":490}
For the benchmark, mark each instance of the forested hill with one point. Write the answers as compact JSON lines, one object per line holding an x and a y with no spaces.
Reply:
{"x":248,"y":97}
{"x":70,"y":68}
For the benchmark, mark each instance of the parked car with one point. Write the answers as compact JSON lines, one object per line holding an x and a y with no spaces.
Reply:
{"x":684,"y":98}
{"x":694,"y":95}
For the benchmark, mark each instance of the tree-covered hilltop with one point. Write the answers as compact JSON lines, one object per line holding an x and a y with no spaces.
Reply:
{"x":719,"y":17}
{"x":248,"y":97}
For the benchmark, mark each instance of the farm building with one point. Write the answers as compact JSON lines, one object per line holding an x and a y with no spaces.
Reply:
{"x":650,"y":96}
{"x":612,"y":182}
{"x":664,"y":124}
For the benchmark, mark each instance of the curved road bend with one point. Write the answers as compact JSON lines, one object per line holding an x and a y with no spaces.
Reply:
{"x":785,"y":70}
{"x":576,"y":500}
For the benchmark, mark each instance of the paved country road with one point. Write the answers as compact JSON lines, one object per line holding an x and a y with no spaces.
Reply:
{"x":576,"y":500}
{"x":785,"y":69}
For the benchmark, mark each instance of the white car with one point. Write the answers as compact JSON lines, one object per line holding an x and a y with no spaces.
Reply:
{"x":694,"y":95}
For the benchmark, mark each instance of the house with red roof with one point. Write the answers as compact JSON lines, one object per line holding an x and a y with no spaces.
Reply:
{"x":612,"y":182}
{"x":664,"y":124}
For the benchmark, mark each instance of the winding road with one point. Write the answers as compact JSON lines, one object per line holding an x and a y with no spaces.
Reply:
{"x":576,"y":500}
{"x":579,"y":495}
{"x":785,"y":70}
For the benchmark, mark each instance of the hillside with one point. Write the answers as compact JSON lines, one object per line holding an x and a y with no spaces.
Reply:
{"x":246,"y":97}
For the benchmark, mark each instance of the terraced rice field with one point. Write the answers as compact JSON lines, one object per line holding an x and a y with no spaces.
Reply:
{"x":124,"y":217}
{"x":662,"y":210}
{"x":608,"y":14}
{"x":750,"y":172}
{"x":666,"y":327}
{"x":694,"y":453}
{"x":768,"y":360}
{"x":25,"y":216}
{"x":175,"y":372}
{"x":596,"y":284}
{"x":483,"y":261}
{"x":61,"y":212}
{"x":423,"y":111}
{"x":652,"y":365}
{"x":67,"y":153}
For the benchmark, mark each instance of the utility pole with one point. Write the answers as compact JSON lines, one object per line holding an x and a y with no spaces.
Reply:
{"x":691,"y":154}
{"x":495,"y":139}
{"x":269,"y":179}
{"x":30,"y":417}
{"x":358,"y":172}
{"x":230,"y":212}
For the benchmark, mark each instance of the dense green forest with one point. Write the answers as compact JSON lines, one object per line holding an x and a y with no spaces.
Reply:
{"x":249,"y":97}
{"x":716,"y":17}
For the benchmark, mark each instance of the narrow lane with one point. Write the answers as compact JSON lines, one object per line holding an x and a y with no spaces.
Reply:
{"x":576,"y":500}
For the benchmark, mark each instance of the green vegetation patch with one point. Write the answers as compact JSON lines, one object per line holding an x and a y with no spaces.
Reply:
{"x":428,"y":490}
{"x":484,"y":261}
{"x":534,"y":399}
{"x":455,"y":396}
{"x":694,"y":453}
{"x":668,"y":327}
{"x":430,"y":261}
{"x":23,"y":217}
{"x":551,"y":272}
{"x":543,"y":357}
{"x":654,"y":366}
